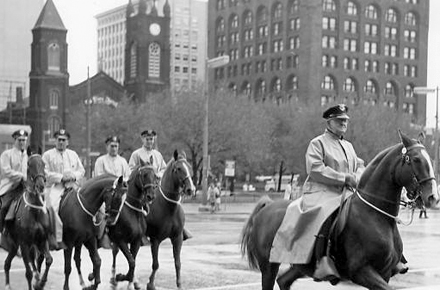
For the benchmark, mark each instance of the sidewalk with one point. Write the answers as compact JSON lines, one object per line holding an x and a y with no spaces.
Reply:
{"x":225,"y":208}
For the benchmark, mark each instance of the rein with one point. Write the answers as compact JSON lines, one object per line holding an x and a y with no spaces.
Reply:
{"x":395,"y":218}
{"x":43,"y":207}
{"x":93,"y":216}
{"x":169,"y":199}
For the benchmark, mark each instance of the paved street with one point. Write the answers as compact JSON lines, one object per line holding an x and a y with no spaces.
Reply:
{"x":212,"y":261}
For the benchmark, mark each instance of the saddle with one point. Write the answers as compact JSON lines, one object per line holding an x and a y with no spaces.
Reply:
{"x":13,"y":208}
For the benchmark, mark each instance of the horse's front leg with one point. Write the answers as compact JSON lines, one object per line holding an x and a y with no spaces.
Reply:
{"x":7,"y":265}
{"x":67,"y":266}
{"x":123,"y":246}
{"x":155,"y":264}
{"x":115,"y":251}
{"x":27,"y":265}
{"x":177,"y":247}
{"x":92,"y":246}
{"x":48,"y":258}
{"x":369,"y":278}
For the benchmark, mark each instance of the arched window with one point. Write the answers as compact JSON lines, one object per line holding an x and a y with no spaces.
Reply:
{"x":53,"y":57}
{"x":246,"y":88}
{"x":261,"y":88}
{"x":220,"y":27}
{"x":389,"y":89}
{"x":293,"y":6}
{"x":371,"y":12}
{"x":220,"y":4}
{"x":154,"y":60}
{"x":133,"y":60}
{"x":410,"y":19}
{"x":391,"y":16}
{"x":247,"y":17}
{"x":328,"y":83}
{"x":328,"y":5}
{"x":261,"y":14}
{"x":277,"y":11}
{"x":54,"y":97}
{"x":370,"y":87}
{"x":351,"y":8}
{"x":409,"y":91}
{"x":292,"y":83}
{"x":349,"y":85}
{"x":53,"y":124}
{"x":276,"y":85}
{"x":233,"y":21}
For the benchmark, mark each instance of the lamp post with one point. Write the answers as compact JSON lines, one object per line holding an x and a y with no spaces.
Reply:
{"x":425,"y":91}
{"x":210,"y":63}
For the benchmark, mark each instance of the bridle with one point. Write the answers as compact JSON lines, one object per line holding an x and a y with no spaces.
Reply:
{"x":34,"y":178}
{"x":181,"y":181}
{"x":416,"y":183}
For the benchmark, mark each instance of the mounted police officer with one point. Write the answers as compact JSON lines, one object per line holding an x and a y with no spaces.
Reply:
{"x":63,"y":170}
{"x":112,"y":162}
{"x":13,"y":163}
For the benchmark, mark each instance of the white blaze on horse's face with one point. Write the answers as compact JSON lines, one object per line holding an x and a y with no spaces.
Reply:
{"x":192,"y":187}
{"x":431,"y":173}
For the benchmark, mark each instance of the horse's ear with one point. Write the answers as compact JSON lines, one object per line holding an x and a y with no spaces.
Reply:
{"x":176,"y":155}
{"x":120,"y":179}
{"x":142,"y":162}
{"x":421,"y":137}
{"x":404,"y":139}
{"x":29,"y":151}
{"x":151,"y":160}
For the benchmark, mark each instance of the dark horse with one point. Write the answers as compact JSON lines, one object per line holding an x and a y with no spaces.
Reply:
{"x":30,"y":228}
{"x":369,"y":247}
{"x":126,"y":218}
{"x":78,"y":211}
{"x":166,"y":218}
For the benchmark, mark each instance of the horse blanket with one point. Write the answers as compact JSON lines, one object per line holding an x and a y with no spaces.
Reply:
{"x":295,"y":238}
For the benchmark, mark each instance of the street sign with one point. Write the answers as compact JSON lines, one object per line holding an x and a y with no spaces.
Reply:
{"x":230,"y":168}
{"x":218,"y":61}
{"x":423,"y":90}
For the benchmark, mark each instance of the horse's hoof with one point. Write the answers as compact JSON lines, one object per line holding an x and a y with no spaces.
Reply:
{"x":137,"y":286}
{"x":113,"y":281}
{"x":151,"y":286}
{"x":121,"y":277}
{"x":91,"y":277}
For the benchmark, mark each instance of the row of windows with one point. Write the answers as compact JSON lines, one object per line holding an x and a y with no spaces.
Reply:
{"x":185,"y":69}
{"x":371,"y":12}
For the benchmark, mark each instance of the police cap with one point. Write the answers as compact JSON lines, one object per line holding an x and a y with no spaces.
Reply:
{"x":19,"y":133}
{"x":61,"y":133}
{"x":339,"y":112}
{"x":148,"y":133}
{"x":112,"y":139}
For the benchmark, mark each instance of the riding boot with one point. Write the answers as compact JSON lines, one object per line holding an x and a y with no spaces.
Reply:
{"x":325,"y":267}
{"x":186,"y":234}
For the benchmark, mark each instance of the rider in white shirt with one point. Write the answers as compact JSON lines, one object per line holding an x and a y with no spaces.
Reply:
{"x":147,"y":150}
{"x":63,"y":170}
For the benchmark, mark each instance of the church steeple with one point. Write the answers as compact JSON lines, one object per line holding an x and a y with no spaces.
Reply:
{"x":130,"y":10}
{"x":49,"y":17}
{"x":154,"y":9}
{"x":167,"y":9}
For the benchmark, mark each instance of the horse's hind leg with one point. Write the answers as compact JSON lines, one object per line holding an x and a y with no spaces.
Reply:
{"x":7,"y":265}
{"x":286,"y":279}
{"x":115,"y":251}
{"x":48,"y":258}
{"x":269,"y":273}
{"x":27,"y":265}
{"x":67,"y":267}
{"x":96,"y":260}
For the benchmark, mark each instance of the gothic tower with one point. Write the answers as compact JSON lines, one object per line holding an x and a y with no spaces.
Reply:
{"x":49,"y":78}
{"x":147,"y":50}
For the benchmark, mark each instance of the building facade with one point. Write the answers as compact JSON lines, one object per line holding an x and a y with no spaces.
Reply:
{"x":49,"y":77}
{"x":187,"y":35}
{"x":17,"y":17}
{"x":323,"y":50}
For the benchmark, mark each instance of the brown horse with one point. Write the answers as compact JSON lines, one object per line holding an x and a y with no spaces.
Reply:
{"x":30,"y":228}
{"x":368,"y":249}
{"x":78,"y":212}
{"x":126,"y":220}
{"x":166,"y":218}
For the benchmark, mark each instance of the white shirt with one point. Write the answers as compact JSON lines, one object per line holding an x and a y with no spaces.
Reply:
{"x":13,"y":163}
{"x":144,"y":155}
{"x":58,"y":163}
{"x":115,"y":165}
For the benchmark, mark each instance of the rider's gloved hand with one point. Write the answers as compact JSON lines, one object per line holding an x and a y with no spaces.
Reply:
{"x":350,"y":180}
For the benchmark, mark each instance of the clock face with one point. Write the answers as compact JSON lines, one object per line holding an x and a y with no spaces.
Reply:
{"x":155,"y":29}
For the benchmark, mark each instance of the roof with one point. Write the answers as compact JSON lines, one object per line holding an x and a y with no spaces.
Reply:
{"x":8,"y":129}
{"x":49,"y":17}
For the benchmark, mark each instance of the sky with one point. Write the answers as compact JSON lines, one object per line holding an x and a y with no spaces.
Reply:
{"x":79,"y":20}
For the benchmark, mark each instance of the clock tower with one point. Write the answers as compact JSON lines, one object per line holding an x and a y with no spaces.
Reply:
{"x":147,"y":50}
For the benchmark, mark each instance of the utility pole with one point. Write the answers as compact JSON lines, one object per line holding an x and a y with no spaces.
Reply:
{"x":88,"y":128}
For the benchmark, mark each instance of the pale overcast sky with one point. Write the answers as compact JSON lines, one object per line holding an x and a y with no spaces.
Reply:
{"x":78,"y":17}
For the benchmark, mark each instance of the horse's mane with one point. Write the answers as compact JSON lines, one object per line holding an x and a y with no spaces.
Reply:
{"x":95,"y":182}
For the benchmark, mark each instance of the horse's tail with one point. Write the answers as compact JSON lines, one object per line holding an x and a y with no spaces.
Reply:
{"x":248,"y":243}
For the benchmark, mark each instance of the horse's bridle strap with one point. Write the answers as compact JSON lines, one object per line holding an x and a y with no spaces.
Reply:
{"x":169,"y":199}
{"x":395,"y":218}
